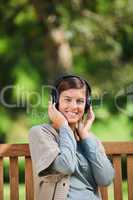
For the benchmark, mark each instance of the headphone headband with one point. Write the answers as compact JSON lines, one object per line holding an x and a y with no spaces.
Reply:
{"x":58,"y":81}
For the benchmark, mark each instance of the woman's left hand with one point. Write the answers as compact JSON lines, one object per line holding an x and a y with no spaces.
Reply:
{"x":84,"y":125}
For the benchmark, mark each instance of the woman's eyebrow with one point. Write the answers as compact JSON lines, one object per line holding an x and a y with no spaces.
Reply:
{"x":81,"y":98}
{"x":67,"y":97}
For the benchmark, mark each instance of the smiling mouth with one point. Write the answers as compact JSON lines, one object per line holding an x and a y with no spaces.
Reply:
{"x":72,"y":114}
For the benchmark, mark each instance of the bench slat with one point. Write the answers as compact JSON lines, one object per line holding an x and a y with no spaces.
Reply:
{"x":29,"y":179}
{"x":130,"y":176}
{"x":14,"y":178}
{"x":1,"y":179}
{"x":115,"y":148}
{"x":118,"y":178}
{"x":104,"y":193}
{"x":7,"y":150}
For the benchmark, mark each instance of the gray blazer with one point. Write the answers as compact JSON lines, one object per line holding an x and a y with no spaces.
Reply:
{"x":48,"y":184}
{"x":52,"y":182}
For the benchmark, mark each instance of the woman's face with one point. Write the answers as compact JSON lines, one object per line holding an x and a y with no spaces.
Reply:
{"x":72,"y":104}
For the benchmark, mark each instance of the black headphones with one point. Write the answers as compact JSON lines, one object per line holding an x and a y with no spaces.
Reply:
{"x":55,"y":95}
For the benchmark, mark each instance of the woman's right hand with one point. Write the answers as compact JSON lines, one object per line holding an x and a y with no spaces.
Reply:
{"x":56,"y":117}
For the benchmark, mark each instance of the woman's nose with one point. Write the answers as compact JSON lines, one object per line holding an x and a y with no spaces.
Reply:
{"x":74,"y":104}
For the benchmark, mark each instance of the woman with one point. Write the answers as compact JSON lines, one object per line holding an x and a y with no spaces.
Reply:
{"x":69,"y":162}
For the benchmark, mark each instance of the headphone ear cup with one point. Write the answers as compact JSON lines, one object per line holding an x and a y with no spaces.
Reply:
{"x":54,"y":98}
{"x":88,"y":104}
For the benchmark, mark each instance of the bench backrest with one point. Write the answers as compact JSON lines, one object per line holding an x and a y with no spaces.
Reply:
{"x":114,"y":149}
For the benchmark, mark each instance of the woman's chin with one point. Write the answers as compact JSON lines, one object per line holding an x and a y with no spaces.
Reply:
{"x":72,"y":121}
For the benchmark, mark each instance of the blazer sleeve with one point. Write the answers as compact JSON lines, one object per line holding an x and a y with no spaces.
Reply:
{"x":43,"y":148}
{"x":65,"y":162}
{"x":102,"y":168}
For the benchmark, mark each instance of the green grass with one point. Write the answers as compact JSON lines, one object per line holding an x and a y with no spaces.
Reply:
{"x":124,"y":189}
{"x":22,"y":192}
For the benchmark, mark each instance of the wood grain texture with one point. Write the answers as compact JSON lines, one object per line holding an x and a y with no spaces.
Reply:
{"x":111,"y":148}
{"x":130,"y":176}
{"x":1,"y":179}
{"x":29,"y":179}
{"x":104,"y":193}
{"x":118,"y":178}
{"x":114,"y":149}
{"x":14,"y":178}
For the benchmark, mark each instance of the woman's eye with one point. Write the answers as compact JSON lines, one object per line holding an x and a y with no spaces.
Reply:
{"x":80,"y":101}
{"x":68,"y":100}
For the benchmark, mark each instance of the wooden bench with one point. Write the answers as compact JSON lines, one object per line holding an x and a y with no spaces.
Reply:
{"x":14,"y":151}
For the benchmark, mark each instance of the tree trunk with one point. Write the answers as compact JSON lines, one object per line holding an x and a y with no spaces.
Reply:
{"x":57,"y":51}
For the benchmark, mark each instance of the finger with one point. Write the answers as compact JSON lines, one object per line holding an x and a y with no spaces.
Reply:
{"x":89,"y":117}
{"x":54,"y":105}
{"x":88,"y":126}
{"x":50,"y":108}
{"x":90,"y":107}
{"x":87,"y":123}
{"x":51,"y":98}
{"x":91,"y":114}
{"x":50,"y":103}
{"x":91,"y":110}
{"x":90,"y":120}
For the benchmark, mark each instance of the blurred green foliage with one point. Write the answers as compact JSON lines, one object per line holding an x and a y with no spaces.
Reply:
{"x":99,"y":34}
{"x":21,"y":164}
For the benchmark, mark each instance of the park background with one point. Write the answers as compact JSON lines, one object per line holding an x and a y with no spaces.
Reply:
{"x":41,"y":40}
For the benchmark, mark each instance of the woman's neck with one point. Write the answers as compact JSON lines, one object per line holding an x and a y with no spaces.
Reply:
{"x":72,"y":126}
